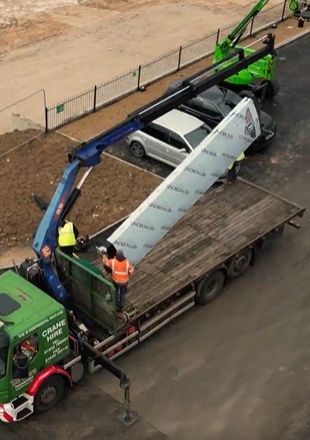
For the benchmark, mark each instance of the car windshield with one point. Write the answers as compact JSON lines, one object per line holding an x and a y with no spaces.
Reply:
{"x":230,"y":102}
{"x":3,"y":360}
{"x":195,"y":137}
{"x":229,"y":105}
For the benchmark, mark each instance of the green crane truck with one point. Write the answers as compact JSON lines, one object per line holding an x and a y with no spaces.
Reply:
{"x":216,"y":240}
{"x":257,"y":81}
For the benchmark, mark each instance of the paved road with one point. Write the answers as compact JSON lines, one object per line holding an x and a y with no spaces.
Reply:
{"x":87,"y":413}
{"x":240,"y":368}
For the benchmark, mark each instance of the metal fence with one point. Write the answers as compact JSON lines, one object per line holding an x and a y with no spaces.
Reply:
{"x":108,"y":92}
{"x":30,"y":127}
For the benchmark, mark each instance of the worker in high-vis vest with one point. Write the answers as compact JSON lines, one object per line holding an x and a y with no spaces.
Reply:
{"x":232,"y":169}
{"x":121,"y":271}
{"x":67,"y":236}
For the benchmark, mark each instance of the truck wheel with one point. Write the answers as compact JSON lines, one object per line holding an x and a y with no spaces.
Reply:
{"x":273,"y":89}
{"x":251,"y":95}
{"x":49,"y":394}
{"x":210,"y":287}
{"x":240,"y":263}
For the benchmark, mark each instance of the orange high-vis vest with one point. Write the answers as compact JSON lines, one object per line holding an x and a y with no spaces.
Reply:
{"x":121,"y":270}
{"x":26,"y":346}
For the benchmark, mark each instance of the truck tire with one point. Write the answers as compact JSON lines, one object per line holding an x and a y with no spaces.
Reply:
{"x":210,"y":287}
{"x":251,"y":95}
{"x":240,"y":263}
{"x":49,"y":394}
{"x":273,"y":89}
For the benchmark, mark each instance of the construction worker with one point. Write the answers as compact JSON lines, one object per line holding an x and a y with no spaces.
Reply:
{"x":121,"y":271}
{"x":67,"y":236}
{"x":232,"y":169}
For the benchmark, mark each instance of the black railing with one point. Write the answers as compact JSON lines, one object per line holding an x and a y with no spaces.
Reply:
{"x":106,"y":93}
{"x":121,"y":86}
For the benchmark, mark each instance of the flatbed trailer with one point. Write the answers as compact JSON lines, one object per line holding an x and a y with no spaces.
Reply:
{"x":216,"y":240}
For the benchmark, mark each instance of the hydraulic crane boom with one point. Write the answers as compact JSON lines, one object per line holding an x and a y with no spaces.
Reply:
{"x":234,"y":37}
{"x":88,"y":154}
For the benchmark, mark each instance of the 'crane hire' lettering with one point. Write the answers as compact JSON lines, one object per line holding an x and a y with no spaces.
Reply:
{"x":54,"y":331}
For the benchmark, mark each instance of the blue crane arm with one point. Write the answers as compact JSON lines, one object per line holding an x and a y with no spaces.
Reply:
{"x":85,"y":156}
{"x":45,"y":240}
{"x":88,"y":155}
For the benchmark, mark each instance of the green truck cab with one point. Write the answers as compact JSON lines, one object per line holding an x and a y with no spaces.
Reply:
{"x":33,"y":339}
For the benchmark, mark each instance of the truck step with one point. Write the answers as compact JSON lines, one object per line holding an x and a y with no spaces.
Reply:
{"x":23,"y":406}
{"x":19,"y":401}
{"x":23,"y":414}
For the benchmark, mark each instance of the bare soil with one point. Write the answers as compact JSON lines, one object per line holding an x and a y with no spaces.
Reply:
{"x":67,"y":46}
{"x":113,"y":190}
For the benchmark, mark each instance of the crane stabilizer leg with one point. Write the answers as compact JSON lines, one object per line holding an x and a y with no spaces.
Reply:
{"x":127,"y":416}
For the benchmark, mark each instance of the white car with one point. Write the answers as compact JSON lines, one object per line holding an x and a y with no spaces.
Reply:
{"x":170,"y":138}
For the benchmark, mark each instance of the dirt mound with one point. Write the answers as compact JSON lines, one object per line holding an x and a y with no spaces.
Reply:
{"x":15,"y":138}
{"x":112,"y":191}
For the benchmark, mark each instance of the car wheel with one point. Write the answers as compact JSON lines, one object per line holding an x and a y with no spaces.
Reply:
{"x":137,"y":149}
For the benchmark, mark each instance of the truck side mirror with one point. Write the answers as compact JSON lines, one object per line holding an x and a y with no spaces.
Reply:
{"x":22,"y":362}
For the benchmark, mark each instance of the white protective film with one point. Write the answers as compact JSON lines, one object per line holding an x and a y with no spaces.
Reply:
{"x":148,"y":224}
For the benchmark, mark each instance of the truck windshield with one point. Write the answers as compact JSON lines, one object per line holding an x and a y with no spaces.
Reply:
{"x":195,"y":137}
{"x":3,"y":360}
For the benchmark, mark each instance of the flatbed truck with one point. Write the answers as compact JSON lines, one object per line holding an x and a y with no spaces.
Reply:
{"x":215,"y":241}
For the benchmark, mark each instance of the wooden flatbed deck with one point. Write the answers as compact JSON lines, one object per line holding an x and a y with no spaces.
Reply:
{"x":222,"y":223}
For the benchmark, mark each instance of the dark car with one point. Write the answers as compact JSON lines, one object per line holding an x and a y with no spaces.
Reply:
{"x":213,"y":105}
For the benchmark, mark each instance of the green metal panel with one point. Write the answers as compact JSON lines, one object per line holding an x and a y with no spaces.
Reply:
{"x":92,"y":293}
